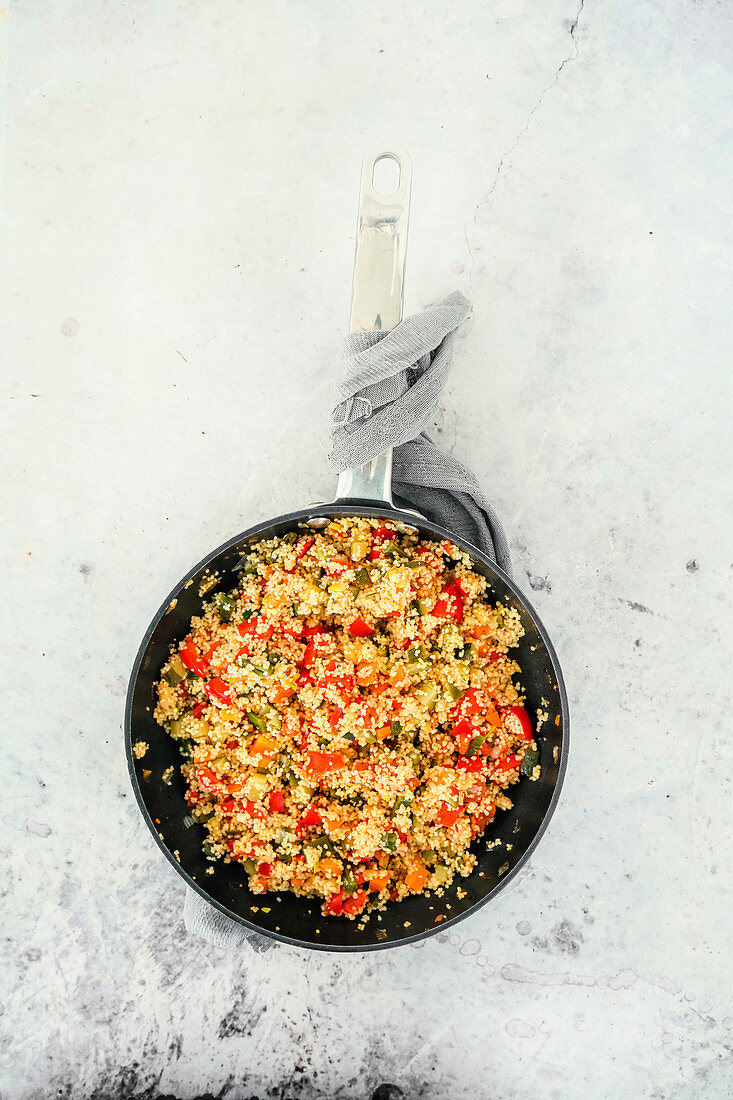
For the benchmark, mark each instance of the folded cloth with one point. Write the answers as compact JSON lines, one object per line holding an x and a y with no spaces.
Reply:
{"x":388,"y":392}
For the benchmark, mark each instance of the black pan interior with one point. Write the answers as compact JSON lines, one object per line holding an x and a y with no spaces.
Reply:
{"x":299,"y":920}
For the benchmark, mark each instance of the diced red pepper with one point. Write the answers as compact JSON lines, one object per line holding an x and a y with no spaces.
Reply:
{"x":228,"y":805}
{"x":318,"y":645}
{"x":335,"y":903}
{"x":527,"y":733}
{"x":303,"y":546}
{"x":473,"y":701}
{"x":256,"y":627}
{"x":360,"y":629}
{"x":265,"y":869}
{"x":208,"y":778}
{"x":254,"y":811}
{"x":277,"y":802}
{"x":199,"y":709}
{"x":321,"y":763}
{"x":355,"y":902}
{"x":211,"y":651}
{"x":495,"y":655}
{"x":305,"y":678}
{"x":310,"y":631}
{"x":469,"y":764}
{"x":220,"y":691}
{"x":383,"y":534}
{"x":336,"y":567}
{"x":311,"y":817}
{"x":374,"y":554}
{"x":192,"y":797}
{"x":191,"y":658}
{"x":508,"y":762}
{"x":447,"y":817}
{"x":464,"y":732}
{"x":450,"y":603}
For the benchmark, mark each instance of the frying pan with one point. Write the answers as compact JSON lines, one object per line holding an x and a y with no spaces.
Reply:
{"x":376,"y":304}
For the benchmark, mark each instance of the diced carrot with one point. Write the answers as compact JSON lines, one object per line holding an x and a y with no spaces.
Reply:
{"x":264,"y":748}
{"x":379,"y":881}
{"x":416,"y":878}
{"x":382,"y":732}
{"x":330,"y":866}
{"x":282,"y":693}
{"x":366,"y":673}
{"x":399,"y":676}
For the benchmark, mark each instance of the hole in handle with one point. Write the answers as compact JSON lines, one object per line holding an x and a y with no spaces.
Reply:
{"x":386,"y":175}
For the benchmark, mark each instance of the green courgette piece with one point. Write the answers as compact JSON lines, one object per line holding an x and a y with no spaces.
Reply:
{"x":257,"y":721}
{"x":176,"y":672}
{"x":454,"y":692}
{"x":349,"y":881}
{"x":475,"y":744}
{"x":530,"y":761}
{"x":389,"y":841}
{"x":226,"y":605}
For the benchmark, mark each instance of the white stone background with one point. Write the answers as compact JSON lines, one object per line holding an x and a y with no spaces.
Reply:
{"x":179,"y":196}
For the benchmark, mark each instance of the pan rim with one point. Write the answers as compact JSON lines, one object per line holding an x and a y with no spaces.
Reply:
{"x":363,"y":508}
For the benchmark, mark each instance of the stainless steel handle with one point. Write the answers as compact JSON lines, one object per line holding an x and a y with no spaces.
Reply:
{"x":377,"y":292}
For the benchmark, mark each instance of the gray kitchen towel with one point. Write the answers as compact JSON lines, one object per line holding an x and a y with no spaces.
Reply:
{"x":388,"y":392}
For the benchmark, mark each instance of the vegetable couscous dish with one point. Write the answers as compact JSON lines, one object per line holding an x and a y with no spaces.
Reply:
{"x":348,"y":716}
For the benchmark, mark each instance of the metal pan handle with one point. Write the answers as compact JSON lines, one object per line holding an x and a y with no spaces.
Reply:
{"x":377,"y":293}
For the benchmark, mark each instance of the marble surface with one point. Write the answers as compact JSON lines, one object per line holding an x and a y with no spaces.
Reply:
{"x":179,"y":198}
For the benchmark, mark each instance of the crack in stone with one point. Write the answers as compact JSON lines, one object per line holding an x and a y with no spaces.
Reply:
{"x":497,"y":175}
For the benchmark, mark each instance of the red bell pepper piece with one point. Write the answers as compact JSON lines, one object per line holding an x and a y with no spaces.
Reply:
{"x":450,"y":603}
{"x":336,"y":567}
{"x":527,"y":733}
{"x":228,"y":805}
{"x":335,"y":903}
{"x":473,"y":701}
{"x":469,"y":764}
{"x":355,"y":902}
{"x":208,"y":778}
{"x":199,"y":709}
{"x":383,"y":534}
{"x":447,"y":817}
{"x":311,"y":817}
{"x":321,"y":763}
{"x":360,"y":629}
{"x":464,"y":732}
{"x":211,"y":651}
{"x":220,"y":691}
{"x":256,"y":627}
{"x":255,"y":811}
{"x":508,"y":762}
{"x":374,"y":554}
{"x":318,"y":645}
{"x":191,"y":658}
{"x":303,"y":546}
{"x":265,"y":869}
{"x":495,"y":655}
{"x":277,"y":802}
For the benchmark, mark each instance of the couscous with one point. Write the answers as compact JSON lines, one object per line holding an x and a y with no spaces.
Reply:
{"x":348,"y":715}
